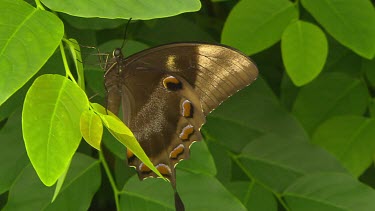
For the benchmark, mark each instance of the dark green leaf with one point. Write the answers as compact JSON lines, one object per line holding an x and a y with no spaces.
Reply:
{"x":249,"y":114}
{"x":254,"y":196}
{"x":350,"y":139}
{"x":199,"y":152}
{"x":198,"y":192}
{"x":368,"y":67}
{"x":330,"y":192}
{"x":13,"y":157}
{"x":277,"y":162}
{"x":330,"y":95}
{"x":82,"y":181}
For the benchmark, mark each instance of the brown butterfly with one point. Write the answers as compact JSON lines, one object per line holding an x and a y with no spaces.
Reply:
{"x":166,"y":92}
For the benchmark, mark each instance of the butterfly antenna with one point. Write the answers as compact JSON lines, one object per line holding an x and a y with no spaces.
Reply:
{"x":125,"y":32}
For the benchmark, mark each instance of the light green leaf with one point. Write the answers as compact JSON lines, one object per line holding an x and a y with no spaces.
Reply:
{"x":51,"y":124}
{"x":132,"y":144}
{"x":116,"y":125}
{"x":331,"y":94}
{"x":75,"y":51}
{"x":351,"y":22}
{"x":92,"y":23}
{"x":304,"y":49}
{"x":111,"y":121}
{"x":27,"y":40}
{"x":91,"y":128}
{"x":350,"y":139}
{"x":253,"y":25}
{"x":331,"y":192}
{"x":125,"y":9}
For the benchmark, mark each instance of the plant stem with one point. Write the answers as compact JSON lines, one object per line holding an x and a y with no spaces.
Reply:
{"x":66,"y":66}
{"x":116,"y":192}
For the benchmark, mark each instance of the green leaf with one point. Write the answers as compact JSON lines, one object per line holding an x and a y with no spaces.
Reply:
{"x":27,"y":40}
{"x":304,"y":48}
{"x":16,"y":100}
{"x":136,"y":9}
{"x":288,"y":92}
{"x":111,"y":121}
{"x":277,"y":162}
{"x":81,"y":183}
{"x":125,"y":136}
{"x":331,"y":192}
{"x":159,"y":31}
{"x":13,"y":157}
{"x":161,"y":192}
{"x":253,"y":25}
{"x":351,"y":22}
{"x":368,"y":67}
{"x":198,"y":152}
{"x":59,"y":185}
{"x":75,"y":50}
{"x":111,"y":143}
{"x":116,"y":125}
{"x":350,"y":139}
{"x":51,"y":124}
{"x":91,"y":128}
{"x":253,"y":195}
{"x":147,"y":194}
{"x":249,"y":114}
{"x":92,"y":23}
{"x":330,"y":95}
{"x":371,"y":107}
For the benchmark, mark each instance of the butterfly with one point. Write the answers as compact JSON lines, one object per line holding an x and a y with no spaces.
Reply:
{"x":166,"y":92}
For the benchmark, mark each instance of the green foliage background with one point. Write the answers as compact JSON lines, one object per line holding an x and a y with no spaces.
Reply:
{"x":302,"y":137}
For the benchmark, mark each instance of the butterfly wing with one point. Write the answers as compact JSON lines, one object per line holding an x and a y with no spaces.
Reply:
{"x":168,"y":90}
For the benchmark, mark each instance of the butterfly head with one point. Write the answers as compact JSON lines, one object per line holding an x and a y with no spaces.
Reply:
{"x":117,"y":53}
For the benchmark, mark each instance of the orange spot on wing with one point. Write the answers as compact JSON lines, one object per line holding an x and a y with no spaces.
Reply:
{"x":177,"y":151}
{"x":186,"y":132}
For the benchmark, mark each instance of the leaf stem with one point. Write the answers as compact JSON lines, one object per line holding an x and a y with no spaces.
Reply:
{"x":66,"y":66}
{"x":116,"y":192}
{"x":39,"y":5}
